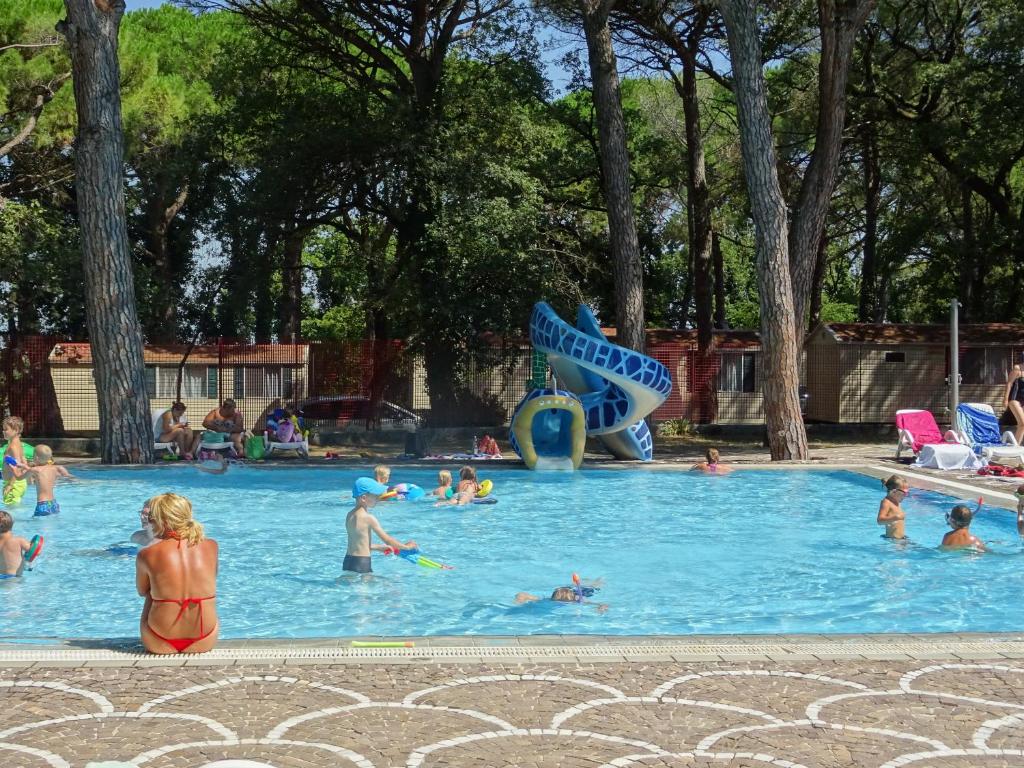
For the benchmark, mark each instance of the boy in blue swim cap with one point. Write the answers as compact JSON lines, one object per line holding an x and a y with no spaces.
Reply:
{"x":360,"y":526}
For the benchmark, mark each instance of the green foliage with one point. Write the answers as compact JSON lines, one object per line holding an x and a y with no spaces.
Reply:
{"x":676,"y":428}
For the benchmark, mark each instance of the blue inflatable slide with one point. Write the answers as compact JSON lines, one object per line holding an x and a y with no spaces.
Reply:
{"x":604,"y":390}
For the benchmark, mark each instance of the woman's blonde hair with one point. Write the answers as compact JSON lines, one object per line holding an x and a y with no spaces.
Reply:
{"x":444,"y":477}
{"x":171,"y":513}
{"x":712,"y":455}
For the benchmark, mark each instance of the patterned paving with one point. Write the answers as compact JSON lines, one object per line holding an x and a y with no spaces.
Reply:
{"x":817,"y":714}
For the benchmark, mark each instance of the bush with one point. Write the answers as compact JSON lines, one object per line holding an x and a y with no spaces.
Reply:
{"x":676,"y":428}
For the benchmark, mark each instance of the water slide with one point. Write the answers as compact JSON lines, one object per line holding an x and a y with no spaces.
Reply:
{"x":604,"y":390}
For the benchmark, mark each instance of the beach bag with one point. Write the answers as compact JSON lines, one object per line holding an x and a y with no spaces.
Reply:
{"x":254,"y":448}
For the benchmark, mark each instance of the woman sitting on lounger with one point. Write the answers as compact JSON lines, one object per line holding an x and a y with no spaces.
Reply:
{"x":178,"y":577}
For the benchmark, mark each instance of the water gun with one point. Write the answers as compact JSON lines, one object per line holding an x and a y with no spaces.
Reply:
{"x":414,"y":556}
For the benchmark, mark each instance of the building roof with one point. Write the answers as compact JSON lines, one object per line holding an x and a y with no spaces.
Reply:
{"x":739,"y":339}
{"x":77,"y":353}
{"x":971,"y":334}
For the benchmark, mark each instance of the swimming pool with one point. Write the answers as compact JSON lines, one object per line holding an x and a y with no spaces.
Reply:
{"x":682,"y":553}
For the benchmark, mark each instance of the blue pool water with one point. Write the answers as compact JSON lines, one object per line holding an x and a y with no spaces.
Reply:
{"x":681,"y":553}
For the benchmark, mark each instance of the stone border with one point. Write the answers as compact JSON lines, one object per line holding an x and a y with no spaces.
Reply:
{"x":550,"y":649}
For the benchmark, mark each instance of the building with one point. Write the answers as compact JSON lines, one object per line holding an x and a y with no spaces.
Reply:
{"x":864,"y":373}
{"x":253,"y":374}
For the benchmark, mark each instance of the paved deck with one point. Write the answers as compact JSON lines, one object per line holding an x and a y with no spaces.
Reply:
{"x":425,"y":710}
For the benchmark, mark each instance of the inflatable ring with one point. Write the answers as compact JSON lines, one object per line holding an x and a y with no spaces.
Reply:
{"x":35,"y":547}
{"x":388,"y":495}
{"x":485,"y":488}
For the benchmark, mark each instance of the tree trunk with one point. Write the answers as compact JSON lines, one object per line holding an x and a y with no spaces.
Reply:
{"x":818,"y":283}
{"x":839,"y":22}
{"x":787,"y":438}
{"x":290,"y":306}
{"x":627,"y":265}
{"x":126,"y":428}
{"x":716,"y":257}
{"x":700,"y":206}
{"x":867,"y":312}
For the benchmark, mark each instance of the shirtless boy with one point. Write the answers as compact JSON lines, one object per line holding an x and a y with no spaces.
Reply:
{"x":12,"y":548}
{"x":890,"y":514}
{"x":45,"y":474}
{"x":361,"y":525}
{"x":959,"y":519}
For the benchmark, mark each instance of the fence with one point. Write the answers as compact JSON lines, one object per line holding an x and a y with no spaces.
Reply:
{"x":49,"y":382}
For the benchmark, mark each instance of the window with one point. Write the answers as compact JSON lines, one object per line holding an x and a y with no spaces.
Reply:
{"x":737,"y":372}
{"x":263,"y":381}
{"x":197,"y":382}
{"x":895,"y":357}
{"x":984,"y":365}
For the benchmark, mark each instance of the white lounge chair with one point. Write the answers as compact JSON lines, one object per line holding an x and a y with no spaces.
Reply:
{"x":978,"y":427}
{"x":158,"y":416}
{"x":270,"y":445}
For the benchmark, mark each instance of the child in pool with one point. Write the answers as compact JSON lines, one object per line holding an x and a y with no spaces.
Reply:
{"x":711,"y":464}
{"x":45,"y":473}
{"x":360,"y":526}
{"x":576,"y":594}
{"x":444,"y":480}
{"x":467,"y":488}
{"x":382,"y":473}
{"x":959,"y":519}
{"x":12,"y":548}
{"x":890,"y":514}
{"x":15,"y":483}
{"x":1020,"y":510}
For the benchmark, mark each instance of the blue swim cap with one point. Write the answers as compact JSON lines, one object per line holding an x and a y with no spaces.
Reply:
{"x":367,"y":485}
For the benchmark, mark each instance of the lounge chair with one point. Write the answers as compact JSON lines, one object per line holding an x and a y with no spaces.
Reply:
{"x":978,"y":427}
{"x":919,"y":433}
{"x":158,"y":416}
{"x":270,"y":445}
{"x":918,"y":428}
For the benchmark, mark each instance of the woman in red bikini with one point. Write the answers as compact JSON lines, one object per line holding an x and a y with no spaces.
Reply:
{"x":178,"y":577}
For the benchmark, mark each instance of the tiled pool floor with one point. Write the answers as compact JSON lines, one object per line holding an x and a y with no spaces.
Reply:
{"x":801,"y":711}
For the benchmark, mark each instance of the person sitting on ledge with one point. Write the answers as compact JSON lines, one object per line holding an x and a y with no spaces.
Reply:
{"x":177,"y":575}
{"x":174,"y":428}
{"x":226,"y":423}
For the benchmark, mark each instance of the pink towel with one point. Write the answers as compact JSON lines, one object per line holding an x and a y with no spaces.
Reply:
{"x":921,"y":424}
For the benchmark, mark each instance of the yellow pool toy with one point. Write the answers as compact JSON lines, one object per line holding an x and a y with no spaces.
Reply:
{"x":486,"y":486}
